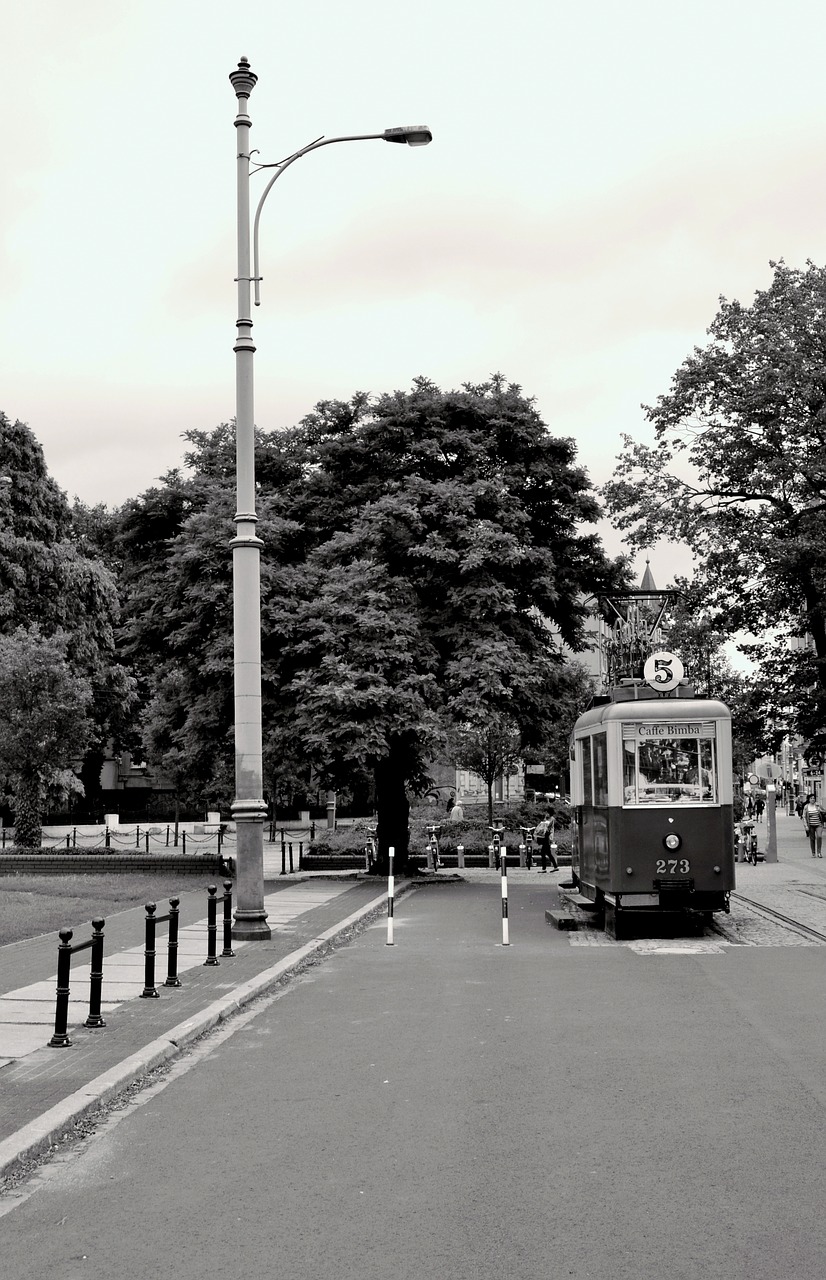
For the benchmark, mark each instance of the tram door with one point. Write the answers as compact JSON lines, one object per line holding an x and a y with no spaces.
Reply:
{"x":590,"y":797}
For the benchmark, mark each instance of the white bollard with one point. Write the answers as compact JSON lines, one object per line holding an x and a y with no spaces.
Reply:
{"x":460,"y":855}
{"x":503,"y":857}
{"x":390,"y":893}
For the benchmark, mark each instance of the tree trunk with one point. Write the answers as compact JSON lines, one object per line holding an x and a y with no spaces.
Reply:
{"x":490,"y":803}
{"x":393,"y":814}
{"x":28,"y":813}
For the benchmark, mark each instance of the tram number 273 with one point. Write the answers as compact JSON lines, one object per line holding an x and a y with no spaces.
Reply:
{"x":673,"y":866}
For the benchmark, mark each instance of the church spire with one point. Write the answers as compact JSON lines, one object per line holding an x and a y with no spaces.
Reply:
{"x":648,"y":583}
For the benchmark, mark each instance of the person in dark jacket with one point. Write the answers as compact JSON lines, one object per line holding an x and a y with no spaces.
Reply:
{"x":543,"y":834}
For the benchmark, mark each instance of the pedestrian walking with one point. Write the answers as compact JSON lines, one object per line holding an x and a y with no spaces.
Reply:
{"x":813,"y":820}
{"x":759,"y":806}
{"x":543,"y":833}
{"x":799,"y":805}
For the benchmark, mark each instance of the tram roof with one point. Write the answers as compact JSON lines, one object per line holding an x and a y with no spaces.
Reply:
{"x":662,"y":709}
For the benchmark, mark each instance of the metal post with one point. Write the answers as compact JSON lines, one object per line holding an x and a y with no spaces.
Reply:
{"x":107,"y":840}
{"x":771,"y":822}
{"x":60,"y":1039}
{"x":147,"y":842}
{"x":249,"y":808}
{"x":460,"y":855}
{"x":96,"y":976}
{"x":172,"y":979}
{"x":290,"y":847}
{"x":138,"y":836}
{"x":183,"y":841}
{"x":227,"y":951}
{"x":74,"y":837}
{"x":503,"y":858}
{"x":212,"y":925}
{"x":390,"y":896}
{"x":150,"y":991}
{"x":283,"y":858}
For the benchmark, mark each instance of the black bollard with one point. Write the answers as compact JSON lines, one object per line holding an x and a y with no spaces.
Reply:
{"x":96,"y":976}
{"x":65,"y":951}
{"x":291,"y":857}
{"x":283,"y":858}
{"x":212,"y":926}
{"x":172,"y":979}
{"x":147,"y":842}
{"x":150,"y":991}
{"x":227,"y":951}
{"x":60,"y":1039}
{"x":107,"y":841}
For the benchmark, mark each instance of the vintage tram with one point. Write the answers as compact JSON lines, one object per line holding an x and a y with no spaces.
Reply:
{"x":651,"y":790}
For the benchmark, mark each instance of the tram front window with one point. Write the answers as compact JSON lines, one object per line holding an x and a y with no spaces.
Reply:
{"x":669,"y":770}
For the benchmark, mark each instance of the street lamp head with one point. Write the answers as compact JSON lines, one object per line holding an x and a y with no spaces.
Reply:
{"x":243,"y":80}
{"x":415,"y":135}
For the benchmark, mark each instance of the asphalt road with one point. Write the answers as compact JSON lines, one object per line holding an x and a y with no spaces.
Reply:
{"x":448,"y":1107}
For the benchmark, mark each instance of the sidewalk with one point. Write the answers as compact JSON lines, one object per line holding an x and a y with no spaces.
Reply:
{"x":44,"y":1090}
{"x":796,"y":883}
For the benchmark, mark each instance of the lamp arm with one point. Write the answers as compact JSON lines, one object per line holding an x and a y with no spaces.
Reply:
{"x":279,"y":169}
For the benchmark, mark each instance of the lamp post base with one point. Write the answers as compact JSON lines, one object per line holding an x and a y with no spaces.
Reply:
{"x":249,"y":917}
{"x":250,"y":925}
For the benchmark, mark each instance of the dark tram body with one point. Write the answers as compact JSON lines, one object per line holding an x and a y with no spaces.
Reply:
{"x":651,"y":786}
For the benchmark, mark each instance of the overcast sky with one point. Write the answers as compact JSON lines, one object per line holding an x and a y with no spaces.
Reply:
{"x":600,"y":174}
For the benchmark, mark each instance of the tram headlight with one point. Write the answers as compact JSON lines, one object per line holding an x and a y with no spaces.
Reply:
{"x":672,"y":841}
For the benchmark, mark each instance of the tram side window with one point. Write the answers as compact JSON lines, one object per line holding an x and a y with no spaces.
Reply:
{"x":587,"y":774}
{"x":669,"y":770}
{"x":600,"y":742}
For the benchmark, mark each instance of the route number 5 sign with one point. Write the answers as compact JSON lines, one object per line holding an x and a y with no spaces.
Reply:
{"x":663,"y":671}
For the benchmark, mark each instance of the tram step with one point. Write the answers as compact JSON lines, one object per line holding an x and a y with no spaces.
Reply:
{"x":562,"y":919}
{"x":579,"y":900}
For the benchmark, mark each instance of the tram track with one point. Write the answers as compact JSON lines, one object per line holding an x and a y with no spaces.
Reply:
{"x":778,"y":917}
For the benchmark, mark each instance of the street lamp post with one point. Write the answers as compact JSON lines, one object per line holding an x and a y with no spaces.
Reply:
{"x":249,"y":808}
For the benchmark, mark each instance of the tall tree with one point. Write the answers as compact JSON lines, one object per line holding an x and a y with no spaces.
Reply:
{"x":738,"y":473}
{"x":425,"y":558}
{"x":45,"y":722}
{"x":491,"y":749}
{"x":446,"y":564}
{"x":52,"y":579}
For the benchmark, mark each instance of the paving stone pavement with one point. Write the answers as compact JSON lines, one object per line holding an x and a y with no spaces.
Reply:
{"x":43,"y":1090}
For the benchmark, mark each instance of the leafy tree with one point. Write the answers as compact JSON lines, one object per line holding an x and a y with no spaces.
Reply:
{"x":574,"y":690}
{"x":424,"y":558}
{"x":49,"y":579}
{"x":445,"y":561}
{"x":490,"y":750}
{"x":738,"y":473}
{"x":45,"y":722}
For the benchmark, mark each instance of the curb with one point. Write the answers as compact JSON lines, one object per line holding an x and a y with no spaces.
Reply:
{"x":36,"y":1138}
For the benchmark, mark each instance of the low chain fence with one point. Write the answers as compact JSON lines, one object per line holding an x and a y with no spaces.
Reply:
{"x":154,"y":838}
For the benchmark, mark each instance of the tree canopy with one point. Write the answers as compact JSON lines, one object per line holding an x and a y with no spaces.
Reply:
{"x":426,"y":555}
{"x":53,"y":582}
{"x":738,"y":473}
{"x":45,"y":723}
